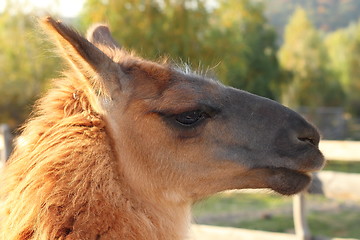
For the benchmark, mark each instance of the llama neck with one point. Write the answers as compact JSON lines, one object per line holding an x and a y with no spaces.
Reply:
{"x":163,"y":214}
{"x":71,"y":171}
{"x":82,"y":195}
{"x":159,"y":220}
{"x":159,"y":213}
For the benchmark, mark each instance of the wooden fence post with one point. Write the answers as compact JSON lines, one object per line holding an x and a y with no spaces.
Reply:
{"x":6,"y":142}
{"x":302,"y":230}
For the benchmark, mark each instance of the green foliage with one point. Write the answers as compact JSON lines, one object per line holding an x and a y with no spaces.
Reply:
{"x":153,"y":29}
{"x":24,"y":66}
{"x":344,"y":49}
{"x":234,"y":35}
{"x":304,"y":56}
{"x":247,"y":47}
{"x":327,"y":15}
{"x":230,"y":38}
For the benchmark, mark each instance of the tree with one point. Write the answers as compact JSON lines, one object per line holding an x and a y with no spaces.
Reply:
{"x":154,"y":28}
{"x":24,"y":66}
{"x":343,"y":47}
{"x":233,"y":35}
{"x":249,"y":59}
{"x":304,"y":56}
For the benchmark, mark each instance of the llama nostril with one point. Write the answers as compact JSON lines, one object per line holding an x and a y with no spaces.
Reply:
{"x":310,"y":135}
{"x":306,"y":133}
{"x":310,"y":140}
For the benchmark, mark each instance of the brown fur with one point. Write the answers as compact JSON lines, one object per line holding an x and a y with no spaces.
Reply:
{"x":64,"y":171}
{"x":104,"y":158}
{"x":65,"y":174}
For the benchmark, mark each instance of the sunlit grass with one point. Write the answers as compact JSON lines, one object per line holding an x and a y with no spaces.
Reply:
{"x":233,"y":202}
{"x":273,"y":213}
{"x":341,"y":166}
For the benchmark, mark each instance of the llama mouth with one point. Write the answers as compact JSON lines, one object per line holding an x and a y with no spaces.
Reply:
{"x":304,"y":159}
{"x":282,"y":180}
{"x":287,"y":181}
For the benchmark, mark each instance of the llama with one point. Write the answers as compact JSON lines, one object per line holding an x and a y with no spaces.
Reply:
{"x":121,"y":147}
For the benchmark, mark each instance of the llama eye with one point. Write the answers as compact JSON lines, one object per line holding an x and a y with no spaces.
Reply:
{"x":190,"y":118}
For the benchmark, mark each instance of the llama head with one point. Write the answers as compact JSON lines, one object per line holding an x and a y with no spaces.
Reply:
{"x":180,"y":136}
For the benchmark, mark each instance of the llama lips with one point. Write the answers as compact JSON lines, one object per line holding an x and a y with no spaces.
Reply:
{"x":288,"y":182}
{"x":282,"y":180}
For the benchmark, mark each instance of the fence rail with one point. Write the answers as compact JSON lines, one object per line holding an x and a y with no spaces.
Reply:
{"x":204,"y":232}
{"x":5,"y":143}
{"x":336,"y":185}
{"x":341,"y":150}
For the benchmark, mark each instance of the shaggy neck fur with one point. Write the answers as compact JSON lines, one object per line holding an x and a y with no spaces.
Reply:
{"x":66,"y":174}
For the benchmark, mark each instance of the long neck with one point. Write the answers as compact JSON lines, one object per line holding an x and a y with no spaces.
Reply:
{"x":77,"y":190}
{"x":159,"y":215}
{"x":63,"y":182}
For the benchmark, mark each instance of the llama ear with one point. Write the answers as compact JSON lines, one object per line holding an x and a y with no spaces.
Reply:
{"x":98,"y":69}
{"x":99,"y":35}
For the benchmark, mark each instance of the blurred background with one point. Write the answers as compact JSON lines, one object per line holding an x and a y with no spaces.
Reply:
{"x":302,"y":53}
